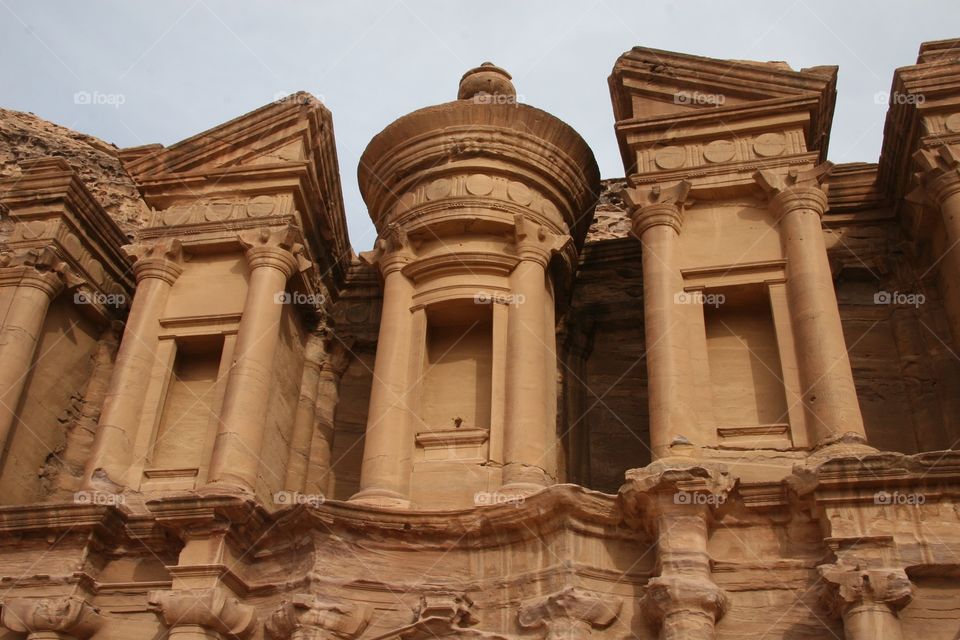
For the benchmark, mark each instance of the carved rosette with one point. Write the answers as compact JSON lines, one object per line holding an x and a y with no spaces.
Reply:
{"x":67,"y":618}
{"x":570,"y":614}
{"x":655,"y":206}
{"x":212,"y":609}
{"x":309,"y":617}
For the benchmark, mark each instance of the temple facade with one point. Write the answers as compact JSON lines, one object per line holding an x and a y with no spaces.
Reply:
{"x":718,"y":397}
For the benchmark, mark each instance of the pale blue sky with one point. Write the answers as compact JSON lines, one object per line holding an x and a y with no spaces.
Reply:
{"x":180,"y":67}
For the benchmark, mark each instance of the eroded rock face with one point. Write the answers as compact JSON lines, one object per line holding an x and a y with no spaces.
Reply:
{"x":24,"y":136}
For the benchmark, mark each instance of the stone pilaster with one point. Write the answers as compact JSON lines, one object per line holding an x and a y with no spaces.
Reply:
{"x":675,"y":498}
{"x":29,"y":280}
{"x":799,"y":200}
{"x":273,"y":257}
{"x":337,"y":358}
{"x":63,"y":618}
{"x":867,"y":599}
{"x":940,"y":187}
{"x":157,"y":267}
{"x":298,"y":459}
{"x":657,"y":217}
{"x":570,"y":614}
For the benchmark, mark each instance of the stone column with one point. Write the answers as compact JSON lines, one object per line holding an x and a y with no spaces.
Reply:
{"x":28,"y":283}
{"x":526,"y":440}
{"x":867,"y":600}
{"x":657,"y":219}
{"x":940,"y":179}
{"x":674,"y":499}
{"x":389,"y":439}
{"x":157,"y":267}
{"x":273,"y":257}
{"x":799,"y":201}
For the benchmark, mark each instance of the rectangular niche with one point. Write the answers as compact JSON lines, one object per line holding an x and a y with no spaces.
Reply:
{"x":456,"y":389}
{"x":190,"y":414}
{"x":749,"y":400}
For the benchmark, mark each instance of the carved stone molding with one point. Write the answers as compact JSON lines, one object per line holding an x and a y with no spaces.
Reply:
{"x":570,"y":614}
{"x":66,"y":617}
{"x":211,"y":608}
{"x":309,"y":617}
{"x":658,"y":205}
{"x":392,"y":250}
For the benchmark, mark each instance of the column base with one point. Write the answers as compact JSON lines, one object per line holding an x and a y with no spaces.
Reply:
{"x":523,"y":480}
{"x":381,"y":499}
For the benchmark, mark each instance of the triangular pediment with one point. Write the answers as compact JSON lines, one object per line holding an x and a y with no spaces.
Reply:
{"x":288,"y":130}
{"x":649,"y":82}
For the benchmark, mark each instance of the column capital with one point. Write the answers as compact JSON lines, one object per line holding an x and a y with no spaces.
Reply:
{"x":657,"y":205}
{"x":570,"y":613}
{"x":38,"y":267}
{"x":847,"y":587}
{"x":392,"y":251}
{"x":210,"y":608}
{"x":68,"y":616}
{"x":535,"y":243}
{"x":796,"y":189}
{"x":674,"y":485}
{"x":162,"y":259}
{"x":278,"y":248}
{"x":939,"y":174}
{"x":316,"y":617}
